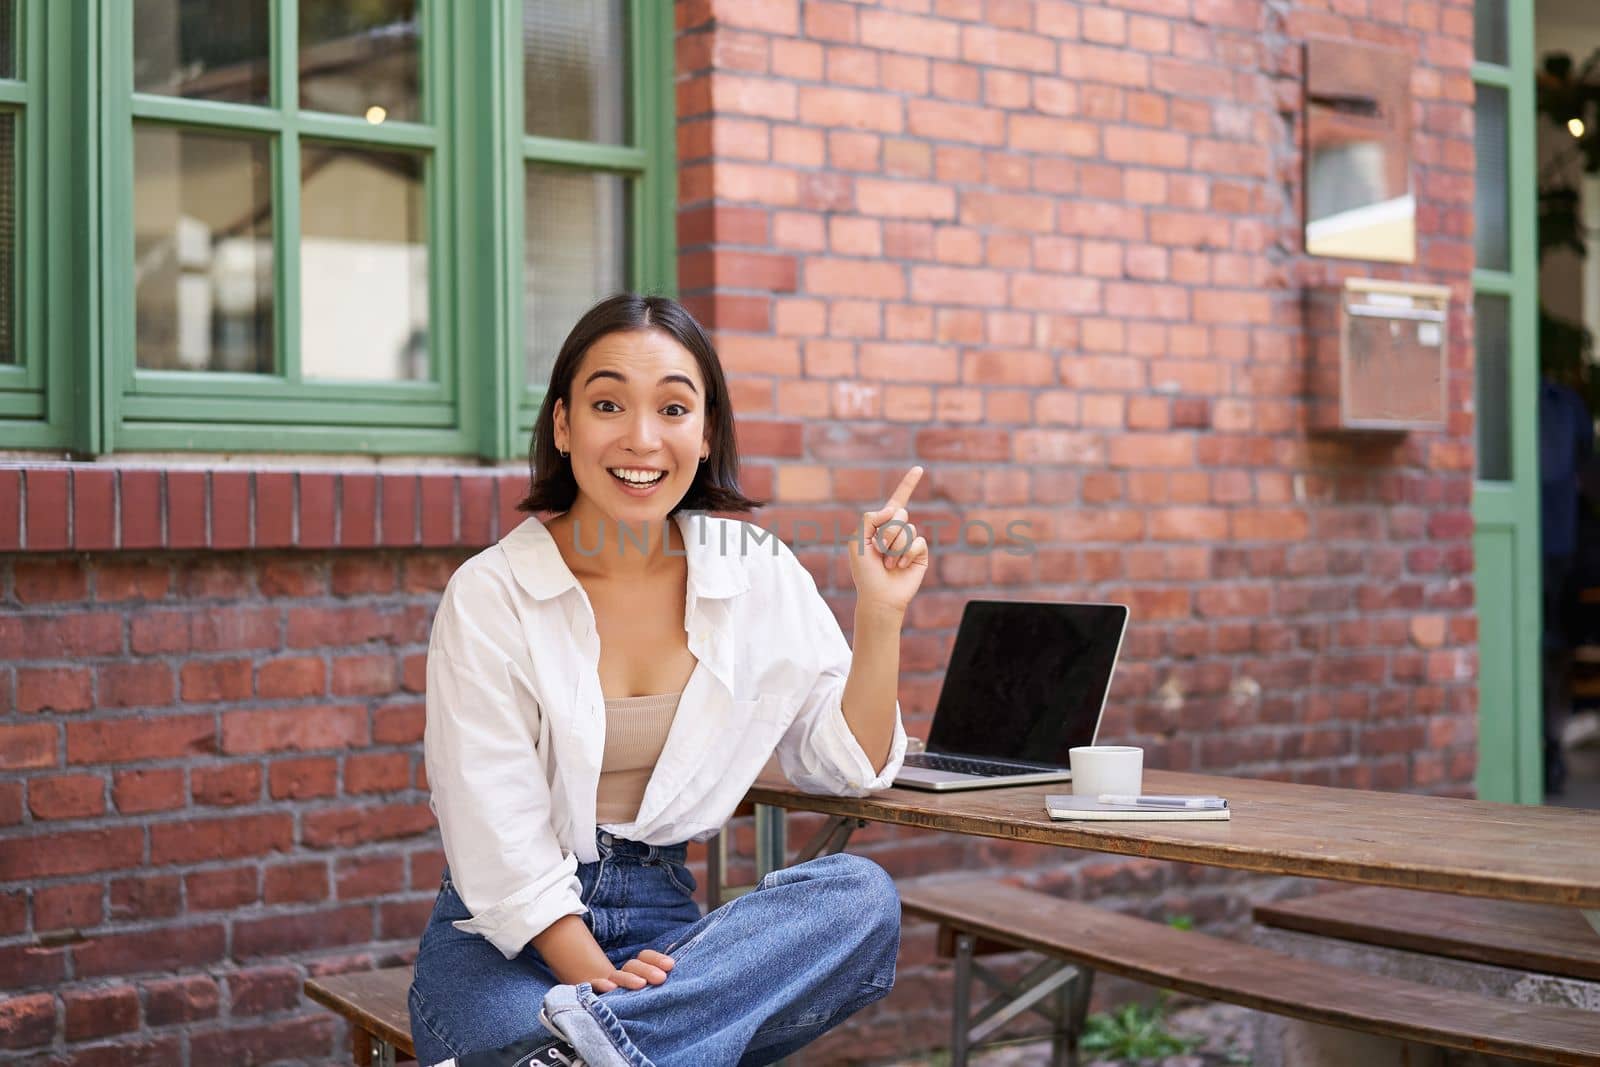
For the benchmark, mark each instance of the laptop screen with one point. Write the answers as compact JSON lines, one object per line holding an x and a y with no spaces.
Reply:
{"x":1027,"y":680}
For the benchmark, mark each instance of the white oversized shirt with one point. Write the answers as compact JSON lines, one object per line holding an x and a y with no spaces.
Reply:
{"x":516,"y":719}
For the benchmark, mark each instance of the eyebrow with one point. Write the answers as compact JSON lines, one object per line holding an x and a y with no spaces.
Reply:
{"x":619,"y":377}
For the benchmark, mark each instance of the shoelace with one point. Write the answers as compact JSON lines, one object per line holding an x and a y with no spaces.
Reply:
{"x":557,"y":1053}
{"x":557,"y":1057}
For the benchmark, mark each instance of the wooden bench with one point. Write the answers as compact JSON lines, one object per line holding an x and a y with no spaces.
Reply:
{"x":1088,"y":939}
{"x":1530,"y":937}
{"x":375,"y":1004}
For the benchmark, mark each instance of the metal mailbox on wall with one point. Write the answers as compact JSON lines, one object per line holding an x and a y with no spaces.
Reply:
{"x":1392,"y":355}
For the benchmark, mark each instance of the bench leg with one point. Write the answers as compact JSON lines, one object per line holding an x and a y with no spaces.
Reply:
{"x":1072,"y":1009}
{"x":1063,"y":1043}
{"x":1059,"y":991}
{"x":961,"y":1012}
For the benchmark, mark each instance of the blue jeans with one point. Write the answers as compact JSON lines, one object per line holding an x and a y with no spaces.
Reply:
{"x":753,"y":981}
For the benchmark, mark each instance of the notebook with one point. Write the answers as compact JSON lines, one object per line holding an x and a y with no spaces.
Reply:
{"x":1026,"y":682}
{"x":1088,"y":809}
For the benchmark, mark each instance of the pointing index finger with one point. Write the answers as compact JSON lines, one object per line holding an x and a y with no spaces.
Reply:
{"x":902,"y":492}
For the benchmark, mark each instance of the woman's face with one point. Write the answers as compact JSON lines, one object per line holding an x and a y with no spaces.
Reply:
{"x":637,"y":426}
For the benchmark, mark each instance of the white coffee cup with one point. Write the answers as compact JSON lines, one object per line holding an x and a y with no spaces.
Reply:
{"x":1098,"y":769}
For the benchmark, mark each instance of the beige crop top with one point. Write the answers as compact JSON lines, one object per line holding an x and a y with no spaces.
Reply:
{"x":636,"y":732}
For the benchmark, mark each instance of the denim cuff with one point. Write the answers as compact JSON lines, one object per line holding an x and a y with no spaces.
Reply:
{"x":591,"y":1028}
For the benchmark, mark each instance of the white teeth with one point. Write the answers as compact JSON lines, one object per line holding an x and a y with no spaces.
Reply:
{"x":638,"y":477}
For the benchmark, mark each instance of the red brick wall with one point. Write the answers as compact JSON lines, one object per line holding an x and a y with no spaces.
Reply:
{"x":211,"y":777}
{"x":1048,"y":250}
{"x":216,"y":760}
{"x":1052,"y":252}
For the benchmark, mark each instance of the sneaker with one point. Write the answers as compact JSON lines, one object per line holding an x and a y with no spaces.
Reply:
{"x":529,"y":1052}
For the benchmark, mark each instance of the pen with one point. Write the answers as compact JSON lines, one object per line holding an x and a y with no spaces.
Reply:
{"x":1203,"y":803}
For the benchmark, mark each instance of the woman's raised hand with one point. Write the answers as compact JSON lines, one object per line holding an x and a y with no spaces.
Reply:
{"x":890,"y":561}
{"x":647,"y":968}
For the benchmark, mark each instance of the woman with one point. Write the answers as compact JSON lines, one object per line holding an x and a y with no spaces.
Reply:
{"x":604,"y":688}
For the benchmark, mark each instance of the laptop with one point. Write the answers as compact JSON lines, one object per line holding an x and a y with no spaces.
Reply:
{"x":1027,"y":682}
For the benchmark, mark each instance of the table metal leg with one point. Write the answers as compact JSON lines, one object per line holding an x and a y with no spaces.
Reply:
{"x":771,"y":847}
{"x":771,"y":843}
{"x":716,"y":867}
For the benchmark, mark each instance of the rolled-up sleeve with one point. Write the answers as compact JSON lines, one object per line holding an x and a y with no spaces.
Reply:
{"x":491,"y":790}
{"x":819,"y":752}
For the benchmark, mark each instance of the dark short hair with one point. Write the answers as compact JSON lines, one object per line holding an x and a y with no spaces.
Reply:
{"x":716,"y":482}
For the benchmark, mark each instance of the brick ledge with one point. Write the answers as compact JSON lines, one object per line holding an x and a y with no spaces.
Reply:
{"x":87,"y":507}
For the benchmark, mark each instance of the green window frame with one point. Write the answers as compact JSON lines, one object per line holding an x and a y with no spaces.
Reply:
{"x":77,"y":386}
{"x":646,"y":159}
{"x":33,"y":390}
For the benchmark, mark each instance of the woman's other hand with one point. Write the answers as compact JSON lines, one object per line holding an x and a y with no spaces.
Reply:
{"x":890,"y":561}
{"x":647,"y":968}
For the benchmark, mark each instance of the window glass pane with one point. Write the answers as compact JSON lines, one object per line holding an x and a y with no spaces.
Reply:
{"x":202,"y":250}
{"x":361,"y":58}
{"x":8,"y":236}
{"x":576,"y":252}
{"x":1494,"y":387}
{"x":1489,"y":38}
{"x":8,"y":62}
{"x":1493,"y":183}
{"x":575,"y":69}
{"x":363,"y":264}
{"x":205,"y":49}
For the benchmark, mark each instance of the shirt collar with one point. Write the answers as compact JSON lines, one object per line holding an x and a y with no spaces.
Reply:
{"x":713,"y":571}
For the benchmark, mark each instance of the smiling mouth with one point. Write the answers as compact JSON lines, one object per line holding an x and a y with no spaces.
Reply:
{"x":639,"y":479}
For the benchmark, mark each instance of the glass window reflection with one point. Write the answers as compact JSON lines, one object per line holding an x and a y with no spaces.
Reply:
{"x":202,"y":268}
{"x":1490,"y":31}
{"x":1493,"y":387}
{"x":363,"y":265}
{"x":575,"y":69}
{"x":1492,"y":188}
{"x":575,"y":251}
{"x":202,"y":49}
{"x":361,"y":58}
{"x":8,"y":36}
{"x":8,"y":236}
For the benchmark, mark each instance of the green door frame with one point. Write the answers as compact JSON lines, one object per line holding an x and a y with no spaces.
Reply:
{"x":1505,"y":508}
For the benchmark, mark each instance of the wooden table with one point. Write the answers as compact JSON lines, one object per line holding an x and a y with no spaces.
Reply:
{"x":1444,"y":845}
{"x":1440,"y":844}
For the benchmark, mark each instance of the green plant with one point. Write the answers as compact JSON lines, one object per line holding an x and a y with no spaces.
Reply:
{"x":1133,"y":1032}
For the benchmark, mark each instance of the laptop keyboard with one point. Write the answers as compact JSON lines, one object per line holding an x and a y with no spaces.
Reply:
{"x":985,"y":768}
